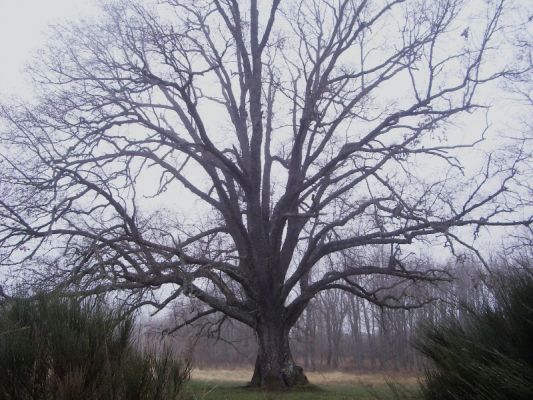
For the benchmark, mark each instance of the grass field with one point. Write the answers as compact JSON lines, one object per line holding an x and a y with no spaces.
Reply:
{"x":228,"y":385}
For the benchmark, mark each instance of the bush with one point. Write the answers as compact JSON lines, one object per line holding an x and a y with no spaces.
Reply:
{"x":485,"y":354}
{"x":59,"y":349}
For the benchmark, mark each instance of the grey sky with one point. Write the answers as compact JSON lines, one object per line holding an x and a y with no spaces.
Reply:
{"x":23,"y":26}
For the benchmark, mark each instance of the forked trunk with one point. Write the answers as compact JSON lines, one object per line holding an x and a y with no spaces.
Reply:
{"x":274,"y":367}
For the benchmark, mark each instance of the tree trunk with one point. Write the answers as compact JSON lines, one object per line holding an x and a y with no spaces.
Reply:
{"x":275,"y":368}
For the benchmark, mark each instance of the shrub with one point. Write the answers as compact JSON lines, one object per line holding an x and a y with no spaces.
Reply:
{"x":485,"y":354}
{"x":59,"y":349}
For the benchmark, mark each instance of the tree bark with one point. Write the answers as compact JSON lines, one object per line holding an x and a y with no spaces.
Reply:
{"x":275,"y":368}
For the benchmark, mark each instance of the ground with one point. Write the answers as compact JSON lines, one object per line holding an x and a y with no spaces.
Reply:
{"x":221,"y":384}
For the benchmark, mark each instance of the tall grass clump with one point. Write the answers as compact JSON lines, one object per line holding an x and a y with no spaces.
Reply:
{"x":58,"y":349}
{"x":486,"y":354}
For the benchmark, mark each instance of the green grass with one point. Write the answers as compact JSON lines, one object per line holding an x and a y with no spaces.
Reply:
{"x":212,"y":390}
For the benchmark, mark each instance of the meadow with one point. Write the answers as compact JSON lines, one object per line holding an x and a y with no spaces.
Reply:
{"x":225,"y":384}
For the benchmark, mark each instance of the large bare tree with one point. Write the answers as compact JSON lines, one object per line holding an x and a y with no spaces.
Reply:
{"x":242,"y":152}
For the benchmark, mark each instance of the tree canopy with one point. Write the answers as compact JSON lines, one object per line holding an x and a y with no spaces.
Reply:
{"x":244,"y":153}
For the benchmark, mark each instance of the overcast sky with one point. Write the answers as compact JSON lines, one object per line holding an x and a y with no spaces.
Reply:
{"x":23,"y":26}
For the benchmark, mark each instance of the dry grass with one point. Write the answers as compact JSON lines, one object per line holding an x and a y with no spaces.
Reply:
{"x":243,"y":375}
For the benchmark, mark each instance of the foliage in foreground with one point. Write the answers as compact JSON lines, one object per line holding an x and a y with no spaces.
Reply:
{"x":57,"y":349}
{"x":485,"y":354}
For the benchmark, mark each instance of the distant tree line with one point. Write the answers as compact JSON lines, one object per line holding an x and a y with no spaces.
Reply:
{"x":341,"y":331}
